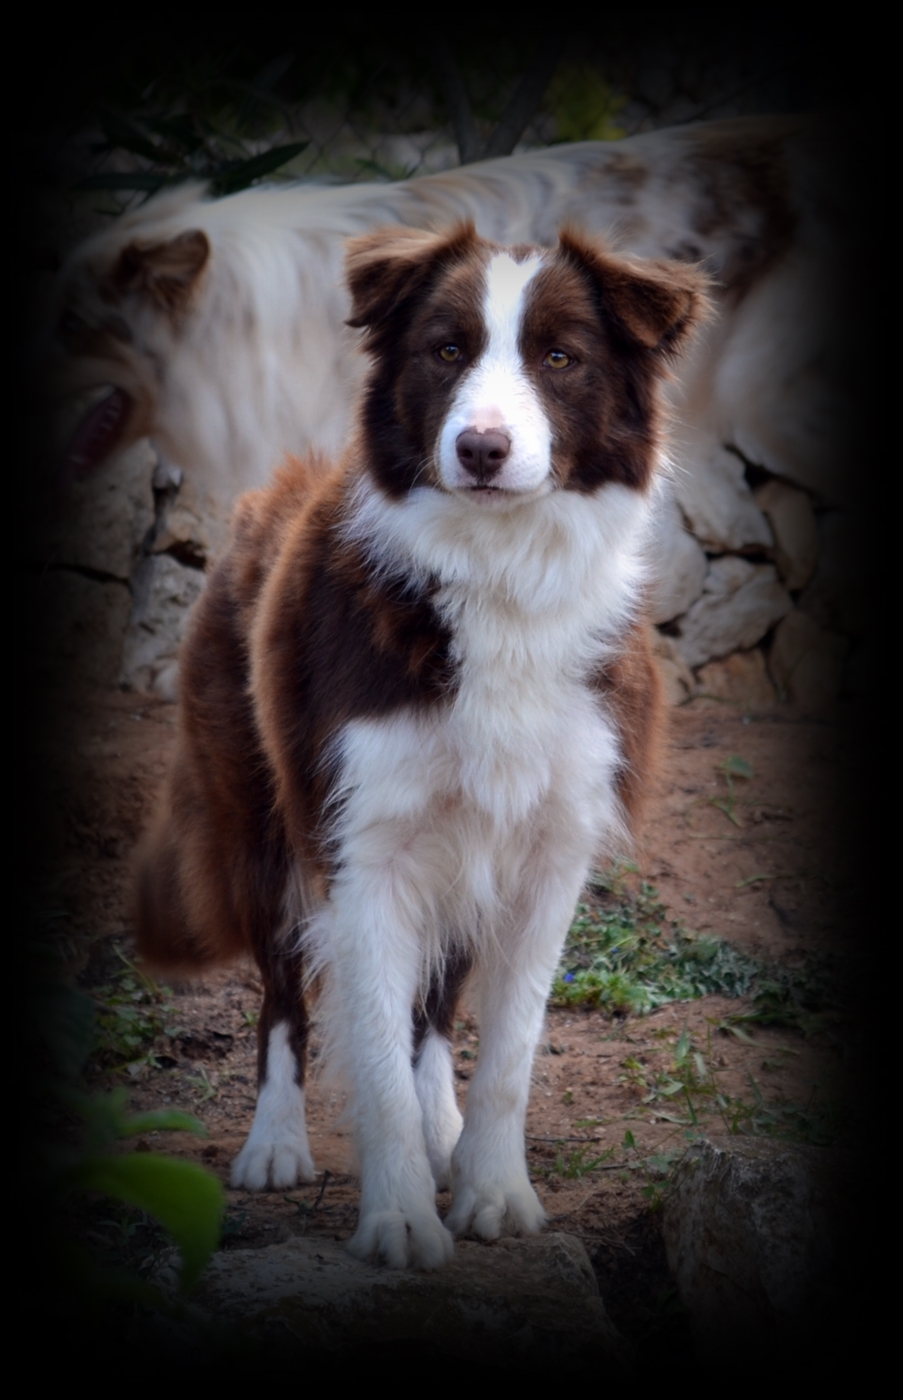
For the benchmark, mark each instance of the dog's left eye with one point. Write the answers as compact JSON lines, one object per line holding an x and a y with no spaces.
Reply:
{"x":557,"y":359}
{"x":449,"y":353}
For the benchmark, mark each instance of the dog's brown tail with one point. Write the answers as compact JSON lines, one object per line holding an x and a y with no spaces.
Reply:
{"x":165,"y":937}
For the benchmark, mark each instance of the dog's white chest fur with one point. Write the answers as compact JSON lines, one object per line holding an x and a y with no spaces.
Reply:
{"x":522,"y":758}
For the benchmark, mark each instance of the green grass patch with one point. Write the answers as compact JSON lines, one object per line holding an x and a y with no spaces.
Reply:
{"x":625,"y":955}
{"x":131,"y":1013}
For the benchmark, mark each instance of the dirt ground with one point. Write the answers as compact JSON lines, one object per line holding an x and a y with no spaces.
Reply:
{"x":766,"y":873}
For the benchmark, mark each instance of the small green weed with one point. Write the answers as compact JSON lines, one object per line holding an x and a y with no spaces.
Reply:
{"x":625,"y":956}
{"x":201,"y":1083}
{"x":732,"y":767}
{"x":807,"y":998}
{"x":578,"y":1162}
{"x":130,"y":1013}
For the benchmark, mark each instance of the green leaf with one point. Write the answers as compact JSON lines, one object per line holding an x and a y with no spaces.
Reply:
{"x":186,"y":1200}
{"x":737,"y":767}
{"x":237,"y":176}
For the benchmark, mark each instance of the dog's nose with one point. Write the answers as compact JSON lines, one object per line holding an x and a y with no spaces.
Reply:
{"x":482,"y":454}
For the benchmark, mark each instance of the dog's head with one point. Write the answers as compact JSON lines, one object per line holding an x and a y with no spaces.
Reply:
{"x":506,"y":373}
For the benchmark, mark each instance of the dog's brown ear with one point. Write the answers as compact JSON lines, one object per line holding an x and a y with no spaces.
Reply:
{"x":654,"y":303}
{"x":386,"y":266}
{"x":165,"y":271}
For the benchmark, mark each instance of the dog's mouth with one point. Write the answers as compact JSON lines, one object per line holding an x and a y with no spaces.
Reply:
{"x":97,"y":433}
{"x":501,"y":496}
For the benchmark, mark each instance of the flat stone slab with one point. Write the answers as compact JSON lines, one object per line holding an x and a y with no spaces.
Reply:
{"x":516,"y":1301}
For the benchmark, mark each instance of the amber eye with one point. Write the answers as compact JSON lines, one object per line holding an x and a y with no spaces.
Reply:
{"x":449,"y":353}
{"x":557,"y":359}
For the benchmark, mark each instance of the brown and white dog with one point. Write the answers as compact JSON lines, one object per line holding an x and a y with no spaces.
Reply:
{"x":418,"y":703}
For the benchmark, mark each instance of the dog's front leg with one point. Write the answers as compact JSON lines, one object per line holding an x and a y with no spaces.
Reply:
{"x":492,"y":1194}
{"x":376,"y":964}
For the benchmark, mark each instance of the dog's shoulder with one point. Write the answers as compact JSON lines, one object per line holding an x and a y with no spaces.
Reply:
{"x":263,"y":520}
{"x":217,"y":644}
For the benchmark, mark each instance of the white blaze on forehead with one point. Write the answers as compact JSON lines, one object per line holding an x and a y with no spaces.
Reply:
{"x":497,"y":393}
{"x":506,"y":285}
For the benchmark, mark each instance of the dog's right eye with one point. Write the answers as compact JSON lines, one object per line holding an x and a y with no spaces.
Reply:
{"x":449,"y":353}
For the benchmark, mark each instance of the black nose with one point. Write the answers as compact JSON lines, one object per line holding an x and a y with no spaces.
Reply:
{"x":482,"y":454}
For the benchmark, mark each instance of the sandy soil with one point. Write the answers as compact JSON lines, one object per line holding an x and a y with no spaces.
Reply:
{"x":765,"y":872}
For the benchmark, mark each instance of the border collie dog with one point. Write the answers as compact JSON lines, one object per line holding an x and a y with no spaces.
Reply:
{"x":417,"y":704}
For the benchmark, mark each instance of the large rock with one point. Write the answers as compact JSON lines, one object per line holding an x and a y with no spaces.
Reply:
{"x":795,"y":531}
{"x":712,"y":492}
{"x":740,"y":602}
{"x":677,"y":562}
{"x":513,"y":1301}
{"x":837,"y":598}
{"x":755,"y":1236}
{"x":741,"y":679}
{"x":164,"y":593}
{"x":76,"y":625}
{"x":806,"y":662}
{"x":677,"y":678}
{"x":104,"y":519}
{"x":192,"y":523}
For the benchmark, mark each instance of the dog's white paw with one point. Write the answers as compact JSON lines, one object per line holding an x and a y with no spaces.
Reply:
{"x":278,"y":1165}
{"x":492,"y":1210}
{"x":403,"y":1239}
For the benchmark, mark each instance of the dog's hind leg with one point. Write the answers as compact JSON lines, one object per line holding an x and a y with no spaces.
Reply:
{"x":277,"y":1153}
{"x":433,"y":1070}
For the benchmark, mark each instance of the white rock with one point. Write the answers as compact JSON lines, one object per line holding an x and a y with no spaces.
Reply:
{"x":795,"y":531}
{"x":677,"y":562}
{"x":105,"y":518}
{"x":740,"y":679}
{"x":676,"y":675}
{"x":712,"y":492}
{"x":740,"y":603}
{"x":164,"y":592}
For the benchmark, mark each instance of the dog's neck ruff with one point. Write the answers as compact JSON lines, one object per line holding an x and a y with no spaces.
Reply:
{"x":580,"y":556}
